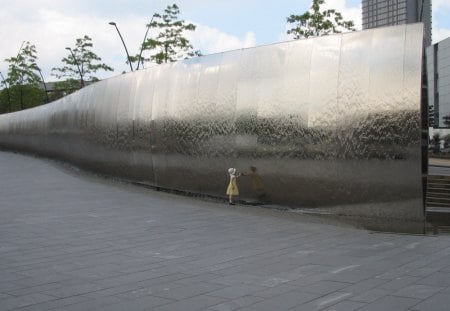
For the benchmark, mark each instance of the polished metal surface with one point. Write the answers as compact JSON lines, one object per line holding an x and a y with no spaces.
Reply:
{"x":328,"y":122}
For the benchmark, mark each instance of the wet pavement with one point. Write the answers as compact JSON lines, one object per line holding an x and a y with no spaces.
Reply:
{"x":72,"y":241}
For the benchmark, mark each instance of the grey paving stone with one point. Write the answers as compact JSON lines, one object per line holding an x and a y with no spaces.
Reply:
{"x":284,"y":301}
{"x":418,"y":291}
{"x":391,"y":303}
{"x":437,"y":302}
{"x":276,"y":290}
{"x":238,"y":279}
{"x":23,"y":301}
{"x":323,"y":287}
{"x":35,"y":289}
{"x":74,"y":290}
{"x":323,"y":302}
{"x":371,"y":295}
{"x":310,"y":279}
{"x":440,"y":278}
{"x":138,"y":304}
{"x":236,"y":304}
{"x":236,"y":291}
{"x":57,"y":304}
{"x":365,"y":285}
{"x":423,"y":271}
{"x":116,"y":290}
{"x":399,"y":282}
{"x":92,"y":304}
{"x":72,"y":241}
{"x":196,"y":303}
{"x":345,"y":306}
{"x":5,"y":296}
{"x":201,"y":277}
{"x":188,"y":291}
{"x":352,"y":275}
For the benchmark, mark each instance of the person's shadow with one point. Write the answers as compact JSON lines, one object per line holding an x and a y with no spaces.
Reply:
{"x":257,"y":184}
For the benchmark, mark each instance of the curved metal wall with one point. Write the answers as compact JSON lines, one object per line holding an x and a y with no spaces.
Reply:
{"x":329,"y":121}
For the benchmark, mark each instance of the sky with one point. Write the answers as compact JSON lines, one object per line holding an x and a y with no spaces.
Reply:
{"x":53,"y":25}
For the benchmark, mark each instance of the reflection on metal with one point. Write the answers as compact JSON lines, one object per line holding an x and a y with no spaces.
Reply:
{"x":329,"y":122}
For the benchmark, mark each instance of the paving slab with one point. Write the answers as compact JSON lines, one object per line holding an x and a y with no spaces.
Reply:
{"x":71,"y":240}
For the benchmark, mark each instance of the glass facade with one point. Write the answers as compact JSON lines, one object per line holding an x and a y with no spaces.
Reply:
{"x":380,"y":13}
{"x":438,"y":66}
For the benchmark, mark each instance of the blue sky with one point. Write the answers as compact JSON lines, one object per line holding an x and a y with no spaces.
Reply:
{"x":221,"y":25}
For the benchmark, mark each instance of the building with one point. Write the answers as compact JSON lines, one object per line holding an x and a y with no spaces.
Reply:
{"x":379,"y":13}
{"x":438,"y":70}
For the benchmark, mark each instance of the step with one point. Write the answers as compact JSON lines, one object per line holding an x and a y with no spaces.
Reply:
{"x":438,"y":181}
{"x":430,"y":202}
{"x":434,"y":204}
{"x":431,"y":195}
{"x":438,"y":188}
{"x":439,"y":176}
{"x":438,"y":196}
{"x":437,"y":203}
{"x":438,"y":184}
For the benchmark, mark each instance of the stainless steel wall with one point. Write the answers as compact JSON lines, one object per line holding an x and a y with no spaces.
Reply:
{"x":328,"y":122}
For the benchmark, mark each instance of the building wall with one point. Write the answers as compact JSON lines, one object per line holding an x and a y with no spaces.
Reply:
{"x":332,"y":122}
{"x":381,"y":13}
{"x":438,"y":61}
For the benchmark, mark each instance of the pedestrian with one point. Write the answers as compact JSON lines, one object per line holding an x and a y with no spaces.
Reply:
{"x":232,"y":189}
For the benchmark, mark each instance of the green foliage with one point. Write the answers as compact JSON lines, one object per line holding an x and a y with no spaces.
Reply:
{"x":315,"y":22}
{"x":19,"y":97}
{"x":81,"y":63}
{"x":446,"y":120}
{"x":169,"y":45}
{"x":63,"y":88}
{"x":23,"y":81}
{"x":23,"y":68}
{"x":436,"y":137}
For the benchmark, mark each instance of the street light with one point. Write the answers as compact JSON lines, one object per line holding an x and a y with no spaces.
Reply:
{"x":145,"y":37}
{"x":126,"y":50}
{"x":21,"y":76}
{"x":45,"y":86}
{"x":78,"y":66}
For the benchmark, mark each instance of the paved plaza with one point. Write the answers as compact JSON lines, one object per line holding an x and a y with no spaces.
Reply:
{"x":72,"y":241}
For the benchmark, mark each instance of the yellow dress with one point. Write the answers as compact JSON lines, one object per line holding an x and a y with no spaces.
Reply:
{"x":232,"y":187}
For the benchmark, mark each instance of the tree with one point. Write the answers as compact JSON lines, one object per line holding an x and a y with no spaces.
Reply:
{"x":80,"y":63}
{"x":169,"y":45}
{"x":446,"y":120}
{"x":318,"y":23}
{"x":23,"y":79}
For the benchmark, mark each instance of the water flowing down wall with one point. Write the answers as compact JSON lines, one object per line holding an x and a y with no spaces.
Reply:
{"x":333,"y":121}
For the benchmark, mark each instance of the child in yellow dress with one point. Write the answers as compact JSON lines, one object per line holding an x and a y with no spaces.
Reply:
{"x":232,"y":189}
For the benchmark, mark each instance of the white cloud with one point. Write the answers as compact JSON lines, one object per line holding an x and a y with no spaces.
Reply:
{"x":211,"y":40}
{"x":440,"y":34}
{"x":440,"y":26}
{"x":440,"y":4}
{"x":51,"y":31}
{"x":348,"y":13}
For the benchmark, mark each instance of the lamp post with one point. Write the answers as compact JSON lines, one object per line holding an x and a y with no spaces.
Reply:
{"x":45,"y":86}
{"x":142,"y":46}
{"x":21,"y":76}
{"x":121,"y":38}
{"x":7,"y":91}
{"x":78,"y":66}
